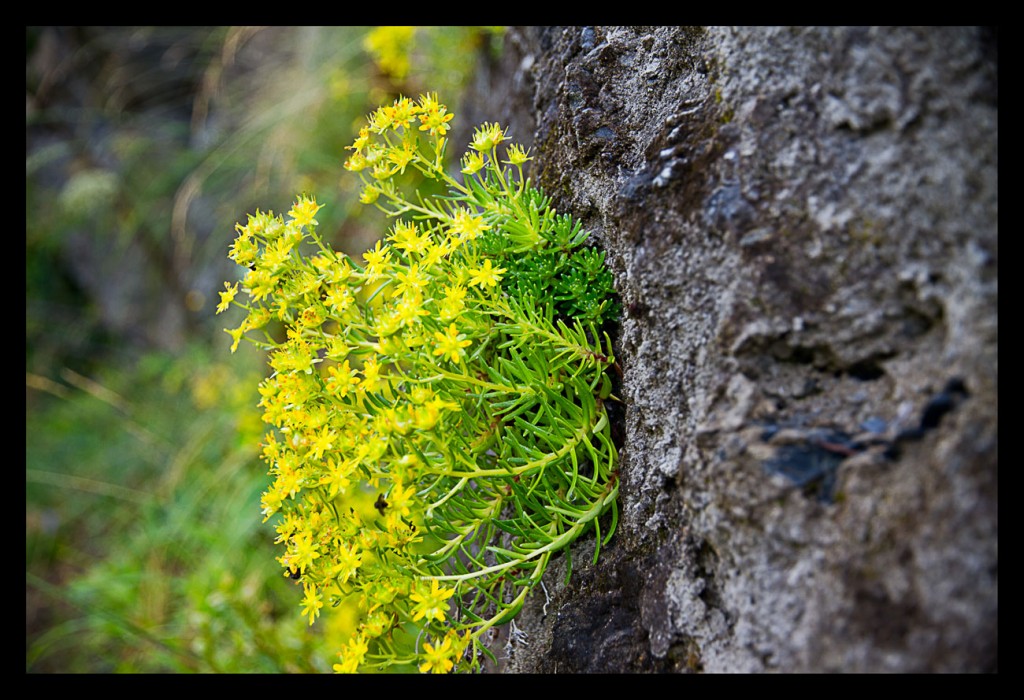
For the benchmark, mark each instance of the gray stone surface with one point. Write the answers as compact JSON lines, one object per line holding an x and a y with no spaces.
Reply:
{"x":802,"y":225}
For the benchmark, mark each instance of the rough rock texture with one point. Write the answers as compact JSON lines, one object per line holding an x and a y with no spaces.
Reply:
{"x":802,"y":226}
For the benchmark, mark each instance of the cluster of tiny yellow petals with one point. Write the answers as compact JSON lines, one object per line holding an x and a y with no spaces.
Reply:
{"x":304,"y":210}
{"x":227,"y":297}
{"x":352,"y":656}
{"x":431,"y":602}
{"x":311,"y":603}
{"x":390,"y":49}
{"x":437,"y":658}
{"x":451,"y":344}
{"x":486,"y":275}
{"x":516,"y":155}
{"x":467,"y":225}
{"x":487,"y":136}
{"x":434,"y":117}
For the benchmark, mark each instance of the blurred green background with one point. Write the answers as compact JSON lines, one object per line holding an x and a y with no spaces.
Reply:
{"x":145,"y":550}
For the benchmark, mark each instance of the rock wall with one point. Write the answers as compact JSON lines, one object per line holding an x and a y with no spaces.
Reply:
{"x":802,"y":226}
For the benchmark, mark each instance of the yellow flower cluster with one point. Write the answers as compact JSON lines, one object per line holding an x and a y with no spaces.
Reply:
{"x":399,"y":146}
{"x":386,"y":399}
{"x":390,"y":48}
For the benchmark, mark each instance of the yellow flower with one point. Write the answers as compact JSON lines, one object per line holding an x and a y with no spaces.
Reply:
{"x":259,"y":283}
{"x":339,"y":298}
{"x":376,"y":624}
{"x":432,"y":604}
{"x":407,"y":237}
{"x":410,"y":308}
{"x":244,"y":249}
{"x":437,"y":660}
{"x":371,"y":375}
{"x":382,"y":172}
{"x":312,"y":603}
{"x":486,"y":275}
{"x":338,"y":271}
{"x":436,"y":122}
{"x":271,"y":503}
{"x":453,"y":303}
{"x":352,"y":656}
{"x":321,"y":442}
{"x":404,"y":110}
{"x":434,"y":117}
{"x":355,"y":163}
{"x":348,"y":560}
{"x":382,"y":118}
{"x":454,"y":293}
{"x":380,"y":594}
{"x":369,"y":194}
{"x":341,"y":379}
{"x":472,"y":163}
{"x":304,"y":550}
{"x":227,"y":297}
{"x":459,"y":644}
{"x":433,"y":253}
{"x":399,"y":498}
{"x":429,"y":103}
{"x":258,"y":317}
{"x":304,"y":210}
{"x":401,"y":157}
{"x":390,"y":47}
{"x":236,"y":334}
{"x":336,"y":478}
{"x":410,"y":281}
{"x":387,"y":325}
{"x":516,"y":155}
{"x":487,"y":136}
{"x":376,"y":259}
{"x":426,"y":417}
{"x":451,"y":344}
{"x":276,"y":254}
{"x":467,"y":224}
{"x":361,"y":140}
{"x":312,"y":316}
